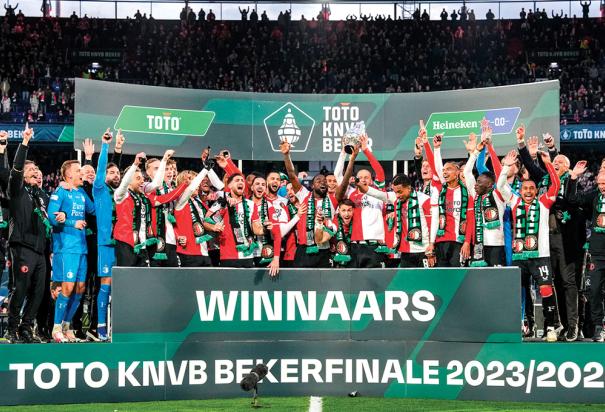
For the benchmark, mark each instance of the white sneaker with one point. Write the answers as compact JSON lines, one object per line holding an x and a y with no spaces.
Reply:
{"x":58,"y":336}
{"x":551,"y":334}
{"x":68,"y":333}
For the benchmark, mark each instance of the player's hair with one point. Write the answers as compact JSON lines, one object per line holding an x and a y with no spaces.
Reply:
{"x":233,"y":176}
{"x":489,"y":175}
{"x":401,"y":179}
{"x":347,"y":202}
{"x":149,"y":162}
{"x":66,"y":165}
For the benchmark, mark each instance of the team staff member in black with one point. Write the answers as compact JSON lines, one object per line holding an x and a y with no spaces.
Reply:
{"x":27,"y":241}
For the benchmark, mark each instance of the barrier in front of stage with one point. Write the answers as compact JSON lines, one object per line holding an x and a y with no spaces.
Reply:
{"x":193,"y":333}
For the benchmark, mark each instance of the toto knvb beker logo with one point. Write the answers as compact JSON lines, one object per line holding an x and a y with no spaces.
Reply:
{"x":289,"y":123}
{"x":164,"y":121}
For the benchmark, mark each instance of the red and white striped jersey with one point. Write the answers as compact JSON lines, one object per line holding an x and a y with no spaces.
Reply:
{"x":368,"y":217}
{"x":226,"y":238}
{"x":453,"y":206}
{"x":303,"y":196}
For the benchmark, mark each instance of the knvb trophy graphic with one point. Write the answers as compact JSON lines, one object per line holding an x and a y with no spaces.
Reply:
{"x":289,"y":131}
{"x":352,"y":136}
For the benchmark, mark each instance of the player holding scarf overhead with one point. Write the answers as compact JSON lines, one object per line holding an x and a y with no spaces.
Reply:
{"x":530,"y":233}
{"x":489,"y":209}
{"x":414,"y":214}
{"x":241,"y":220}
{"x":594,"y":203}
{"x":368,"y":236}
{"x":309,"y":253}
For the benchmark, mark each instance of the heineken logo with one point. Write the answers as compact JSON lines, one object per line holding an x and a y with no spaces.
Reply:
{"x":461,"y":124}
{"x":164,"y":121}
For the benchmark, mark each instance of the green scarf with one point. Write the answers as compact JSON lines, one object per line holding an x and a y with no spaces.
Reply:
{"x":527,"y":228}
{"x":140,"y":202}
{"x":341,"y":236}
{"x":267,"y":238}
{"x":598,"y":216}
{"x":464,"y":204}
{"x":327,"y":212}
{"x":243,"y":244}
{"x":485,"y":205}
{"x":196,"y":219}
{"x":39,"y":210}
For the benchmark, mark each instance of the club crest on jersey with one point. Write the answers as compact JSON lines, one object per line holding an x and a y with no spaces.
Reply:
{"x":198,"y":229}
{"x":491,"y":214}
{"x":531,"y":242}
{"x":601,"y":220}
{"x":415,"y":234}
{"x":342,"y":248}
{"x":267,"y":252}
{"x":24,"y":269}
{"x":462,"y":228}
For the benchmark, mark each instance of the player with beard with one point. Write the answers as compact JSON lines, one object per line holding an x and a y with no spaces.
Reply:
{"x":269,"y":244}
{"x":531,"y":241}
{"x":414,"y":215}
{"x":593,"y":201}
{"x":241,"y":224}
{"x":452,"y":228}
{"x":132,"y":231}
{"x":489,"y":210}
{"x":294,"y":211}
{"x":341,"y":229}
{"x":106,"y":182}
{"x":308,"y":252}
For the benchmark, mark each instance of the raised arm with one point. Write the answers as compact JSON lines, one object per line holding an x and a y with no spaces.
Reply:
{"x":4,"y":169}
{"x":502,"y":183}
{"x":379,"y":179}
{"x":555,"y":182}
{"x":159,"y":175}
{"x":471,"y":148}
{"x":116,"y":157}
{"x":340,"y":166}
{"x":99,"y":181}
{"x":571,"y":190}
{"x":193,"y":185}
{"x":341,"y":190}
{"x":284,"y":147}
{"x":120,"y":193}
{"x":15,"y":183}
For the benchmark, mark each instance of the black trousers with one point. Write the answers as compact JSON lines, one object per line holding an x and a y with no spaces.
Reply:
{"x":320,"y":259}
{"x":29,"y":280}
{"x":45,"y":316}
{"x":125,"y":256}
{"x":565,"y":274}
{"x":448,"y":254}
{"x":237,"y":263}
{"x":595,"y":281}
{"x":494,"y":255}
{"x":194,"y":261}
{"x":413,"y":260}
{"x":172,"y":260}
{"x":365,"y":256}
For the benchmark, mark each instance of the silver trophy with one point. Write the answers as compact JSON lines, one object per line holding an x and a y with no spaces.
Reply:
{"x":352,"y":136}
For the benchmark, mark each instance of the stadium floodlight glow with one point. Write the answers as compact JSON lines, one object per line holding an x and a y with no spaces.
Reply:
{"x":251,"y":380}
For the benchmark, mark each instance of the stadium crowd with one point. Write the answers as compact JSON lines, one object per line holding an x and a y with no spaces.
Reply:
{"x":42,"y":56}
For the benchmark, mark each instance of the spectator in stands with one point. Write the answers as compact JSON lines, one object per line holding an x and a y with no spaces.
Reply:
{"x":585,"y":9}
{"x":490,"y":15}
{"x":443,"y":15}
